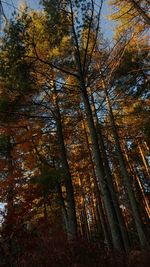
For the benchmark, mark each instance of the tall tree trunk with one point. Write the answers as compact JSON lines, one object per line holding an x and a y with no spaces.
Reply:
{"x":117,"y":241}
{"x":85,"y":221}
{"x":144,"y":159}
{"x":63,"y":207}
{"x":121,"y":223}
{"x":145,"y":199}
{"x":71,"y":212}
{"x":101,"y":176}
{"x":97,"y":193}
{"x":124,"y":173}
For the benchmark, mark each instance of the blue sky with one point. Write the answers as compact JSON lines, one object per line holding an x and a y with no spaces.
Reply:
{"x":107,"y":26}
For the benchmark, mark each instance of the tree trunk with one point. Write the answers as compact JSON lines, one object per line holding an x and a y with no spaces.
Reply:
{"x":63,"y":207}
{"x":71,"y":212}
{"x":145,"y":199}
{"x":101,"y":176}
{"x":144,"y":160}
{"x":124,"y":173}
{"x":117,"y":241}
{"x":121,"y":223}
{"x":97,"y":193}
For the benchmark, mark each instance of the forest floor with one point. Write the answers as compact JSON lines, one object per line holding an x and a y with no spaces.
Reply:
{"x":50,"y":252}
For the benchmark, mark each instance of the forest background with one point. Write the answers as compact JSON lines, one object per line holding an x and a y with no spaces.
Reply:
{"x":74,"y":133}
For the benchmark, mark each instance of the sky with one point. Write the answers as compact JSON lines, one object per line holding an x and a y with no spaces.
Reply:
{"x":106,"y":25}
